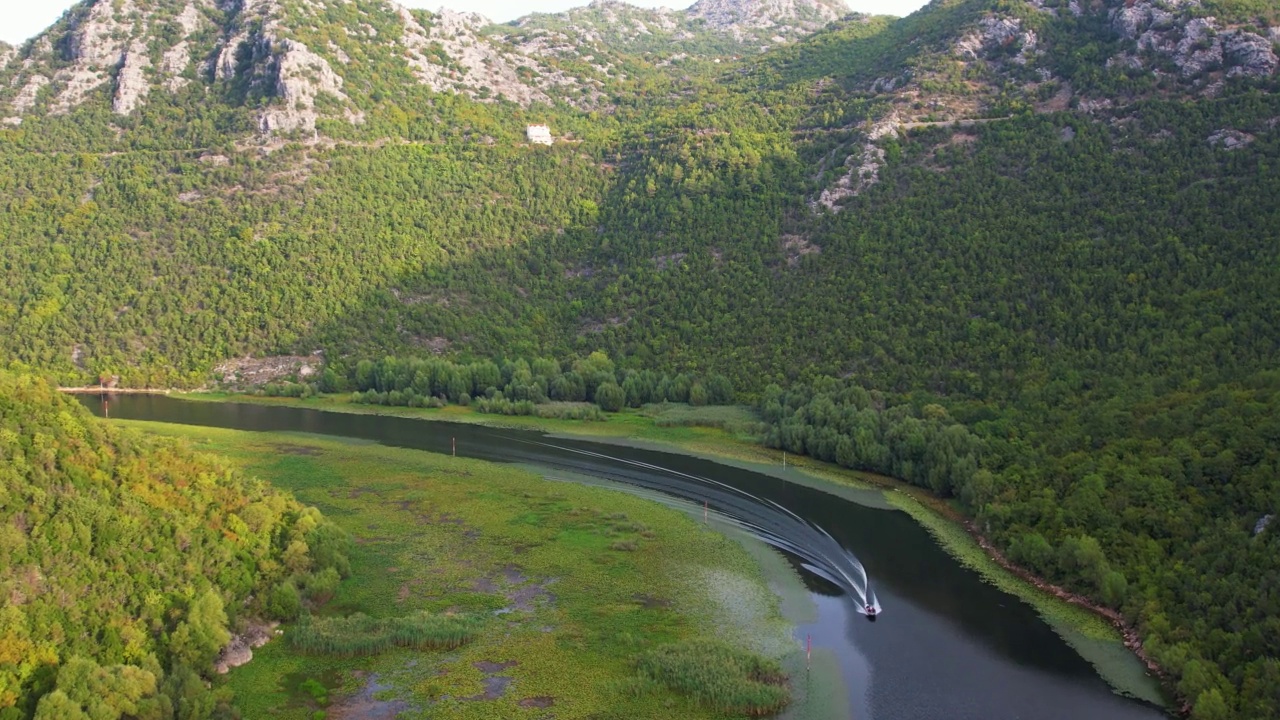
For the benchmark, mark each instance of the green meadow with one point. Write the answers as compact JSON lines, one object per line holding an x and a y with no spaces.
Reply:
{"x":723,"y":434}
{"x":485,"y":591}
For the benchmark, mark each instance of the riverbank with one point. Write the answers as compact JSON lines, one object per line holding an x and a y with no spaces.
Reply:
{"x":99,"y":390}
{"x":1098,"y":635}
{"x":575,"y":583}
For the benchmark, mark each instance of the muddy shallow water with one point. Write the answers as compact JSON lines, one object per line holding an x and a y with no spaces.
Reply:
{"x":947,"y":645}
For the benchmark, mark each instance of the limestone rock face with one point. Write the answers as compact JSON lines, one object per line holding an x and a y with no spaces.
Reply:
{"x":240,"y":650}
{"x":764,"y":13}
{"x":741,"y":17}
{"x":175,"y":61}
{"x":1249,"y":53}
{"x":1195,"y":45}
{"x":126,"y":53}
{"x":96,"y":40}
{"x":863,"y":168}
{"x":102,"y":48}
{"x":994,"y":35}
{"x":300,"y":76}
{"x":449,"y":53}
{"x":97,"y":45}
{"x":25,"y":99}
{"x":27,"y":96}
{"x":1229,"y":139}
{"x":131,"y":82}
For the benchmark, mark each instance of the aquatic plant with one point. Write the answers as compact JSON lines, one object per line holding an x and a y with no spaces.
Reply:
{"x":719,"y":676}
{"x":360,"y":634}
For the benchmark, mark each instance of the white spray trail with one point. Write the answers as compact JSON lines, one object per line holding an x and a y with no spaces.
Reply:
{"x":763,"y":518}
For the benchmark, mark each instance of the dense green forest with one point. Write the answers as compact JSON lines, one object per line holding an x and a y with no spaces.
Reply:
{"x":1149,"y":504}
{"x":1063,"y":311}
{"x":127,"y":563}
{"x":512,"y":386}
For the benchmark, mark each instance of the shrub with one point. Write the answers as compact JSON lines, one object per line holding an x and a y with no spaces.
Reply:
{"x":285,"y":602}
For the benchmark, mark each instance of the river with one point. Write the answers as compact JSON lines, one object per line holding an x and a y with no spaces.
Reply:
{"x":946,"y":646}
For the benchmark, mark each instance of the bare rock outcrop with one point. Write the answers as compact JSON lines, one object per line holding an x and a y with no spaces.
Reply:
{"x":449,"y":53}
{"x":175,"y":62}
{"x":177,"y":59}
{"x":994,"y":36}
{"x":254,"y":21}
{"x":7,"y":54}
{"x":280,"y":67}
{"x":1195,"y":45}
{"x":765,"y":18}
{"x":1229,"y":139}
{"x":1249,"y":53}
{"x":301,"y":76}
{"x":26,"y":97}
{"x":131,"y":82}
{"x":97,"y":45}
{"x":1262,"y":524}
{"x":863,"y":168}
{"x":188,"y":19}
{"x":240,"y":650}
{"x":248,"y":372}
{"x":106,"y":45}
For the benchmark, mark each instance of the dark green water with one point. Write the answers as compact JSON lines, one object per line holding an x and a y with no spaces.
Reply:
{"x":946,"y":646}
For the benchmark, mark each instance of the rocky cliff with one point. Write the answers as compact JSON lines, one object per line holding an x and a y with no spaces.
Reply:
{"x":771,"y":21}
{"x":291,"y":57}
{"x":997,"y":59}
{"x":291,"y":60}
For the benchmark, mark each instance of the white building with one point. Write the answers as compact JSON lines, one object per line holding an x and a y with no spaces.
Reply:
{"x":539,"y":134}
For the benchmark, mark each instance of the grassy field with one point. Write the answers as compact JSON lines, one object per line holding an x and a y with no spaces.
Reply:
{"x":721,"y":434}
{"x":562,"y":600}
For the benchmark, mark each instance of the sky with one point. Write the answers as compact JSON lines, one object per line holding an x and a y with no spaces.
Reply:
{"x":22,"y":19}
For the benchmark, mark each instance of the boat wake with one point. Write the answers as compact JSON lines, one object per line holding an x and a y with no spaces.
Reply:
{"x":818,"y":552}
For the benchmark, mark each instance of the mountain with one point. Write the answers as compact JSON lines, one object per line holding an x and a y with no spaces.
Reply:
{"x":1049,"y":224}
{"x":707,"y":28}
{"x":308,"y":57}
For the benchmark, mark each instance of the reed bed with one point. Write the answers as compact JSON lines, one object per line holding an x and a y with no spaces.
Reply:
{"x":362,"y":635}
{"x":733,"y":419}
{"x":718,"y":676}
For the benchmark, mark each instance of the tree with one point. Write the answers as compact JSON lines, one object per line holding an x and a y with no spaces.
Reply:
{"x":89,"y":692}
{"x":1114,"y":588}
{"x":1211,"y":706}
{"x":285,"y":602}
{"x":594,"y":369}
{"x":719,"y":389}
{"x":197,"y":640}
{"x":1032,"y":551}
{"x":697,"y":395}
{"x":610,"y":397}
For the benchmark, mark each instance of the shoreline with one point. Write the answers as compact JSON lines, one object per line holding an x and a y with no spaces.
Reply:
{"x":95,"y":390}
{"x":1081,"y":631}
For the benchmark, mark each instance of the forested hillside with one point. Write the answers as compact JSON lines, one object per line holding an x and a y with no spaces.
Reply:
{"x":127,"y":563}
{"x":1026,"y":254}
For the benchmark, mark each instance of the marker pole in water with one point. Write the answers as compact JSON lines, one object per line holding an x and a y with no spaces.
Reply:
{"x":704,"y":512}
{"x":808,"y":651}
{"x":455,"y":446}
{"x":784,"y":458}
